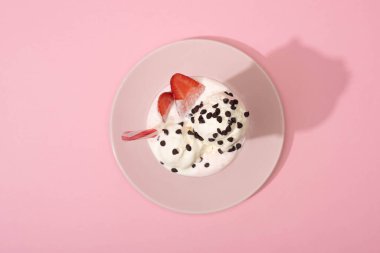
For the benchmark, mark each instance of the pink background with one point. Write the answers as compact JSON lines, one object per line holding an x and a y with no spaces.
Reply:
{"x":60,"y":66}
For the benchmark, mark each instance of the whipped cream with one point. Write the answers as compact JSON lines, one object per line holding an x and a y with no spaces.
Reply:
{"x":204,"y":141}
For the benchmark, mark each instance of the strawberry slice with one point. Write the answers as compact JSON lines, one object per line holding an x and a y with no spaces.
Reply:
{"x":138,"y":135}
{"x":165,"y":101}
{"x":185,"y":92}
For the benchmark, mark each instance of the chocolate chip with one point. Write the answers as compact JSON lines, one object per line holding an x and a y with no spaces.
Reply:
{"x":234,"y":102}
{"x":220,"y":151}
{"x":201,"y":105}
{"x":227,"y":113}
{"x":233,"y":120}
{"x":162,"y":163}
{"x":211,"y":139}
{"x":166,"y":131}
{"x":220,"y":142}
{"x":216,"y":113}
{"x":230,"y":139}
{"x":207,"y":165}
{"x":224,"y":132}
{"x":178,"y":131}
{"x":193,"y":165}
{"x":215,"y":106}
{"x":238,"y":146}
{"x":203,"y":111}
{"x":228,"y":129}
{"x":201,"y":159}
{"x":162,"y":143}
{"x":232,"y":149}
{"x":246,"y":114}
{"x":219,"y":119}
{"x":215,"y":135}
{"x":209,"y":115}
{"x":233,"y":107}
{"x":188,"y":147}
{"x":225,"y":100}
{"x":174,"y":170}
{"x":239,"y":125}
{"x":175,"y":151}
{"x":219,"y":131}
{"x":195,"y":109}
{"x":201,"y":119}
{"x":229,"y":93}
{"x":190,"y":132}
{"x":180,"y":123}
{"x":197,"y":136}
{"x":192,"y":120}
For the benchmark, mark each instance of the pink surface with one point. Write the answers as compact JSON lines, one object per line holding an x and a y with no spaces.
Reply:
{"x":60,"y":66}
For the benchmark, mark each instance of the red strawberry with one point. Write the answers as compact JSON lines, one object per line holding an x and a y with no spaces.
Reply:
{"x":185,"y":92}
{"x":165,"y":101}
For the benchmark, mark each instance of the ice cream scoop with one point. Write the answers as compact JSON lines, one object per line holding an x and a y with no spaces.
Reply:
{"x":207,"y":138}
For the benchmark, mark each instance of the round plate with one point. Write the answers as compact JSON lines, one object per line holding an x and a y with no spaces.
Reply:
{"x":253,"y":165}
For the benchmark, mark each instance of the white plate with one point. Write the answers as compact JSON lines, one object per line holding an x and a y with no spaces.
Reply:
{"x":253,"y":165}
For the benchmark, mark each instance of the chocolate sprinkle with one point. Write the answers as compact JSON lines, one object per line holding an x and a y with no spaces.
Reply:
{"x":175,"y":151}
{"x":192,"y":120}
{"x":220,"y":142}
{"x":174,"y":170}
{"x":215,"y":106}
{"x":219,"y":119}
{"x":209,"y":115}
{"x":225,"y":100}
{"x":215,"y":135}
{"x":219,"y":131}
{"x":207,"y":165}
{"x":239,"y":125}
{"x":238,"y":146}
{"x":193,"y":165}
{"x":228,"y":129}
{"x":178,"y":131}
{"x":162,"y":143}
{"x":230,"y":139}
{"x":211,"y":139}
{"x":203,"y":111}
{"x":166,"y":131}
{"x":216,"y":113}
{"x":233,"y":107}
{"x":234,"y":102}
{"x":195,"y":109}
{"x":246,"y":114}
{"x":233,"y":120}
{"x":197,"y":136}
{"x":162,"y":163}
{"x":180,"y":123}
{"x":201,"y":159}
{"x":190,"y":132}
{"x":188,"y":147}
{"x":232,"y":149}
{"x":220,"y":151}
{"x":229,"y":93}
{"x":201,"y":119}
{"x":228,"y":114}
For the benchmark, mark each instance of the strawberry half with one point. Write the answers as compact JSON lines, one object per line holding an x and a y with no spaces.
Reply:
{"x":165,"y":101}
{"x":185,"y":92}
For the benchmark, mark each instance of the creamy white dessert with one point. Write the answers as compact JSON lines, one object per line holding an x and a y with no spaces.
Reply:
{"x":207,"y":138}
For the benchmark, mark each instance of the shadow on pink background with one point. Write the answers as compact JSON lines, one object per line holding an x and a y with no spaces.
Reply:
{"x":309,"y":84}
